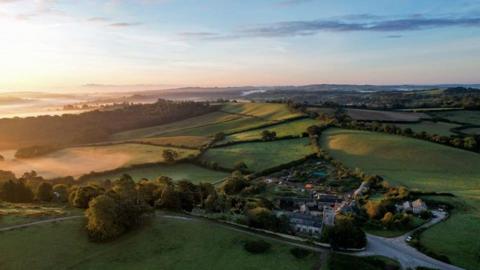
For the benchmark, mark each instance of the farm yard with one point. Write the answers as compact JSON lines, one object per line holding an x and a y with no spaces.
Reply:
{"x":163,"y":244}
{"x":178,"y":171}
{"x":259,"y":156}
{"x":425,"y":166}
{"x":76,"y":161}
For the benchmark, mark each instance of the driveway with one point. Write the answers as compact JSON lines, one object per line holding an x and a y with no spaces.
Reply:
{"x":397,"y":248}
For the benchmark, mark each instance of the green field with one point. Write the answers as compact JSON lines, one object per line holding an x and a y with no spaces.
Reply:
{"x":21,"y":213}
{"x":165,"y":244}
{"x":468,"y":117}
{"x":177,"y":141}
{"x":268,"y":111}
{"x":285,"y":129}
{"x":179,"y":171}
{"x":347,"y":262}
{"x":407,"y":161}
{"x":472,"y":131}
{"x":416,"y":222}
{"x":234,"y":117}
{"x":198,"y":126}
{"x":439,"y":128}
{"x":76,"y":161}
{"x":428,"y":167}
{"x":260,"y":155}
{"x":202,"y":121}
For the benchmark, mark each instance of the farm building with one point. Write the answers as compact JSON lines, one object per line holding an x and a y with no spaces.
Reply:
{"x":328,"y":200}
{"x":418,"y":206}
{"x":361,"y":190}
{"x":303,"y":223}
{"x":329,"y":216}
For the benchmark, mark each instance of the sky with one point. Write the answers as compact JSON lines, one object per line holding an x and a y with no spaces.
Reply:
{"x":88,"y":45}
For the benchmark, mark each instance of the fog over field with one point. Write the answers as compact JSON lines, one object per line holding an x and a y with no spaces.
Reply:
{"x":77,"y":161}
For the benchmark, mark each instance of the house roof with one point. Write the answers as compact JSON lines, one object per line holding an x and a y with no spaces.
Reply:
{"x":328,"y":198}
{"x":304,"y":219}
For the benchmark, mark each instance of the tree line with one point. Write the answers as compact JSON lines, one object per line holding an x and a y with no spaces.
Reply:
{"x":93,"y":126}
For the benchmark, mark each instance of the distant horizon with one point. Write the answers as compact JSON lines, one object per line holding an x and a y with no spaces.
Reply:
{"x":63,"y":45}
{"x":110,"y":89}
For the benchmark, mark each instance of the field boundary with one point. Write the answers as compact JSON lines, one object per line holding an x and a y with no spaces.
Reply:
{"x":283,"y":138}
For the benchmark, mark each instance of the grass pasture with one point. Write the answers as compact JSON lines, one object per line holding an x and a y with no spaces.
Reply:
{"x":267,"y":111}
{"x":407,"y":161}
{"x":296,"y":127}
{"x":200,"y":126}
{"x":76,"y":161}
{"x":177,"y":141}
{"x":430,"y":127}
{"x":377,"y":115}
{"x":461,"y":116}
{"x":234,"y":117}
{"x":260,"y":155}
{"x":20,"y":213}
{"x":428,"y":167}
{"x":176,"y":128}
{"x":347,"y":262}
{"x":471,"y":131}
{"x":164,"y":244}
{"x":385,"y":116}
{"x":178,"y":171}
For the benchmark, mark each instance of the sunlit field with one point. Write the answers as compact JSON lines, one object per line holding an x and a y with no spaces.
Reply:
{"x":179,"y":171}
{"x":260,"y":155}
{"x":77,"y":161}
{"x":425,"y":166}
{"x":292,"y":128}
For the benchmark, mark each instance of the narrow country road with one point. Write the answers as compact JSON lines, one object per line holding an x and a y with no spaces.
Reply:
{"x":25,"y":225}
{"x":396,"y":248}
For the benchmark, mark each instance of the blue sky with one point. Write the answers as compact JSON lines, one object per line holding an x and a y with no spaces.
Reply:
{"x":119,"y":44}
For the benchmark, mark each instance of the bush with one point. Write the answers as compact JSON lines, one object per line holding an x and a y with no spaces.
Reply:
{"x":345,"y":234}
{"x":257,"y":246}
{"x":300,"y":253}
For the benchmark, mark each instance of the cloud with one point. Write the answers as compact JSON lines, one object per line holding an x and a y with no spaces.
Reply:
{"x":124,"y":24}
{"x":41,"y":7}
{"x":394,"y":36}
{"x":198,"y":34}
{"x":298,"y":28}
{"x":344,"y":24}
{"x":98,"y":19}
{"x":292,"y":2}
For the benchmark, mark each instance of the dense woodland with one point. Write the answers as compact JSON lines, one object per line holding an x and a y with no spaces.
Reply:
{"x":93,"y":126}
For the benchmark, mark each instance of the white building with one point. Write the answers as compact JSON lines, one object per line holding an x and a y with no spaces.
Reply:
{"x":329,"y":216}
{"x":419,"y":206}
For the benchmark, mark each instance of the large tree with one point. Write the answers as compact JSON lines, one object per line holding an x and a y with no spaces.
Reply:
{"x":44,"y":192}
{"x":103,"y":215}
